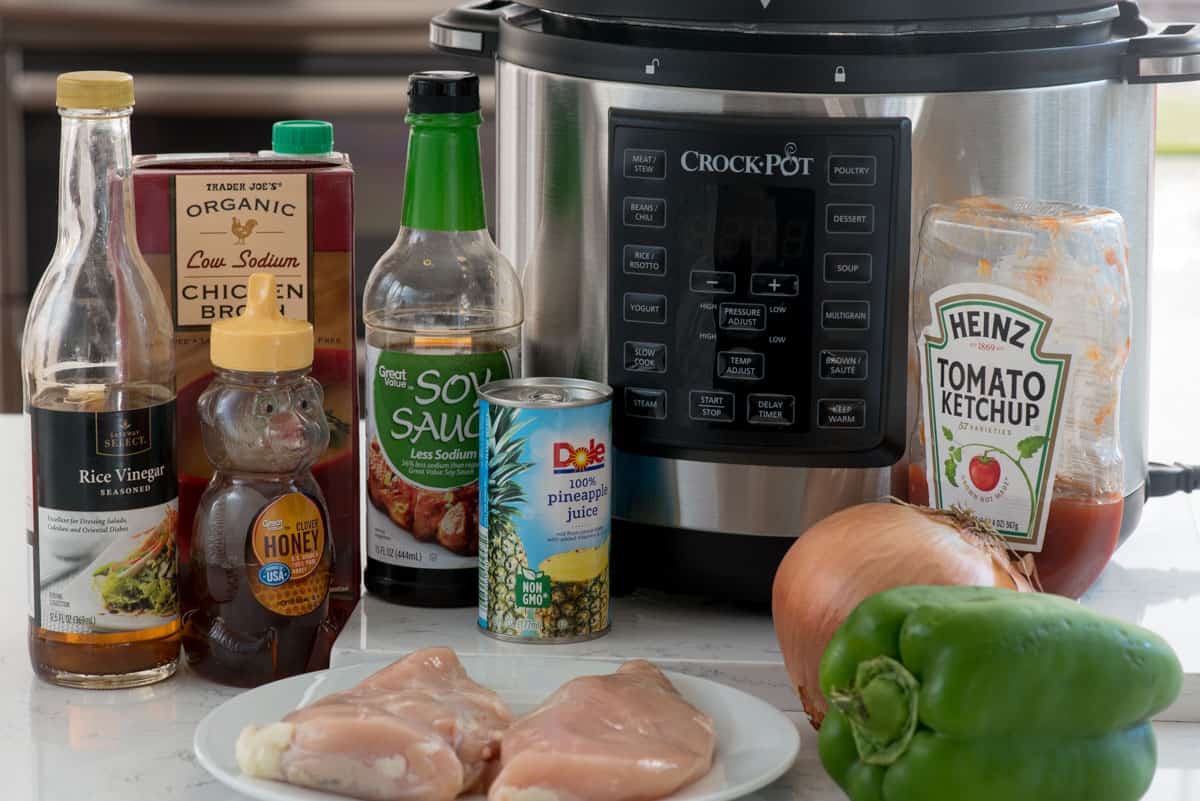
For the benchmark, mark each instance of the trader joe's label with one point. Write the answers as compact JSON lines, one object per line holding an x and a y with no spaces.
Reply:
{"x":104,"y":519}
{"x":992,"y":398}
{"x":423,"y":455}
{"x":229,"y":226}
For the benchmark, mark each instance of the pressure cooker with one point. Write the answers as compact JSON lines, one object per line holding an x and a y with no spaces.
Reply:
{"x":671,"y":172}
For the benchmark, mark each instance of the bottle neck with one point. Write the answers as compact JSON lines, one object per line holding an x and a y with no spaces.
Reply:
{"x":95,"y":212}
{"x":443,"y":189}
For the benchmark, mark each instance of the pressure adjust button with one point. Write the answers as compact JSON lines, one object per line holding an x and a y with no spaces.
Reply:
{"x":648,"y":403}
{"x":771,"y":410}
{"x":645,"y":357}
{"x":849,"y":218}
{"x":711,"y":406}
{"x":846,"y":315}
{"x":641,"y":307}
{"x":851,"y":170}
{"x":743,"y":317}
{"x":842,"y":413}
{"x":645,"y":164}
{"x":645,"y":212}
{"x":741,"y":366}
{"x":648,"y":260}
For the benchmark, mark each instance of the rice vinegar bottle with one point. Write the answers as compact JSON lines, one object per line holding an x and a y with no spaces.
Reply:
{"x":443,"y":314}
{"x":99,"y":389}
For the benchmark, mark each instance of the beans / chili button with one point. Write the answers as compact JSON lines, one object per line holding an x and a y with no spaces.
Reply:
{"x":645,"y":212}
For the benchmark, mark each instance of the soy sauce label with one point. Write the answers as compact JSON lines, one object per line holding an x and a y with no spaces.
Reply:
{"x":286,"y":565}
{"x":103,"y":519}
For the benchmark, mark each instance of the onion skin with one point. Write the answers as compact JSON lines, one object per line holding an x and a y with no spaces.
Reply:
{"x":857,"y":552}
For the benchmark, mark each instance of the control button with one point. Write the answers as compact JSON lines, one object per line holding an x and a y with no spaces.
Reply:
{"x":714,"y":283}
{"x":743,"y":317}
{"x":644,"y":308}
{"x":840,"y":218}
{"x":648,"y":403}
{"x":843,"y":170}
{"x":848,"y":268}
{"x":645,"y":164}
{"x":645,"y":357}
{"x":711,"y":406}
{"x":771,"y":410}
{"x":840,"y":365}
{"x":842,"y":413}
{"x":844,"y":315}
{"x":645,"y":260}
{"x":645,"y":212}
{"x":775,"y":285}
{"x":741,"y":366}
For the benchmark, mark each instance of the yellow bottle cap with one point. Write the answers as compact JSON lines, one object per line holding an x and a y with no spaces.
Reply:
{"x":261,"y":340}
{"x":94,"y":89}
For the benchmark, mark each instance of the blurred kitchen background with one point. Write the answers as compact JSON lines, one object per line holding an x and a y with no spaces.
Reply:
{"x":213,"y":76}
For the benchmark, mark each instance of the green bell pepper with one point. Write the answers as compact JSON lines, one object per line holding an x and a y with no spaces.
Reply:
{"x":951,"y":693}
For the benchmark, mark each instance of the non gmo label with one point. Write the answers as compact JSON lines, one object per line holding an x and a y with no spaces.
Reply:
{"x":288,"y":562}
{"x":992,"y":399}
{"x":229,"y":226}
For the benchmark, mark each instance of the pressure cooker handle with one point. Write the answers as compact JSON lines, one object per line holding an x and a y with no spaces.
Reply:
{"x":474,"y":28}
{"x":1164,"y":53}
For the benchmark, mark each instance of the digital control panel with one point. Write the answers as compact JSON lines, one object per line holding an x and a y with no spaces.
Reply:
{"x":758,"y":288}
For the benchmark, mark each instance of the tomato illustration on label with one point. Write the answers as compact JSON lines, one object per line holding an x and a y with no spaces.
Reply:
{"x":984,"y":472}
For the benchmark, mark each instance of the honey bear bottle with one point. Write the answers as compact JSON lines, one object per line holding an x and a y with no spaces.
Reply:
{"x":255,"y":589}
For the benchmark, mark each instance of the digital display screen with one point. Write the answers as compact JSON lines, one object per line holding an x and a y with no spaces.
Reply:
{"x":763,"y":229}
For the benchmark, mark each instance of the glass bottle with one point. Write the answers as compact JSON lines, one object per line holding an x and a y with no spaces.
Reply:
{"x":99,"y":390}
{"x":256,"y":585}
{"x":443,"y":315}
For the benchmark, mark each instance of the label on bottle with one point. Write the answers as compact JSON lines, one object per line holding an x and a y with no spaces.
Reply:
{"x":992,"y":398}
{"x":423,"y":455}
{"x":104,"y":511}
{"x":229,"y":226}
{"x":285,"y":555}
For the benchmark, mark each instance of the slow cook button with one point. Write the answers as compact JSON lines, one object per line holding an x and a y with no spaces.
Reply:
{"x":848,"y":268}
{"x":641,"y":307}
{"x":848,"y":170}
{"x":645,"y":212}
{"x":645,"y":357}
{"x":844,"y":365}
{"x":645,"y":164}
{"x":847,"y":218}
{"x":846,"y":315}
{"x":743,"y":317}
{"x":842,"y":413}
{"x":648,"y":403}
{"x":645,"y":260}
{"x":740,"y":366}
{"x":771,"y":410}
{"x":710,"y":406}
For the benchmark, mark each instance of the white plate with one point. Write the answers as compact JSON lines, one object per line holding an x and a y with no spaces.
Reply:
{"x":756,"y":743}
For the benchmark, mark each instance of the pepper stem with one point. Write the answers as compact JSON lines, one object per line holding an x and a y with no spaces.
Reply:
{"x":881,"y":708}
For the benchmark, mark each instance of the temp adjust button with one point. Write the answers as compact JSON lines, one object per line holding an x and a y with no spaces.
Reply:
{"x":842,"y":413}
{"x":843,"y":365}
{"x":641,"y":307}
{"x":771,"y":410}
{"x":648,"y":403}
{"x":846,"y":218}
{"x":645,"y":212}
{"x":711,"y":406}
{"x":645,"y":357}
{"x":845,"y":315}
{"x":649,"y":260}
{"x":740,"y":366}
{"x":743,"y":317}
{"x":645,"y":164}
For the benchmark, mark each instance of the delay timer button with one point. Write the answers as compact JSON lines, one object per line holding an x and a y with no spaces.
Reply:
{"x":771,"y":410}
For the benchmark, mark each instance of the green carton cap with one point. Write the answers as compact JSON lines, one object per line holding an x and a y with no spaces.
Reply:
{"x":302,"y":137}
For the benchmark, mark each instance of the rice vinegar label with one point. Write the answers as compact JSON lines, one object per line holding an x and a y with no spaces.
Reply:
{"x":992,"y":399}
{"x":228,"y":226}
{"x":102,"y":523}
{"x":286,"y":566}
{"x":423,"y":455}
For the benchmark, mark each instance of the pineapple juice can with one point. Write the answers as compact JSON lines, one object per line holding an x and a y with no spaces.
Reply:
{"x":545,"y":519}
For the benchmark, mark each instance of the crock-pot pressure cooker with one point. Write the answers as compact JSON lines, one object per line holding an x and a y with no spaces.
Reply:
{"x":680,"y":175}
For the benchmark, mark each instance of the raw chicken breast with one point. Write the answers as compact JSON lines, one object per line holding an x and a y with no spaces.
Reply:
{"x":628,"y":736}
{"x":418,"y":730}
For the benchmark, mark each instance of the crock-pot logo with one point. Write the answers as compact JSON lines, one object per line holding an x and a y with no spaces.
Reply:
{"x":787,"y":163}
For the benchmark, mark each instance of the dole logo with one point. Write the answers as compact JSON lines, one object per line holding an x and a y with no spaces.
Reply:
{"x":570,"y":458}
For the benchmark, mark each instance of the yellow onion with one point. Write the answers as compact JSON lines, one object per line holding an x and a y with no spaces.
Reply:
{"x":866,"y":549}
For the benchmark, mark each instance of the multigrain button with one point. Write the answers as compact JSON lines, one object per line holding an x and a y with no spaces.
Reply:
{"x":842,"y":413}
{"x":645,"y":164}
{"x":843,"y":365}
{"x":848,"y":218}
{"x":778,"y":285}
{"x":648,"y":403}
{"x":641,"y":307}
{"x":649,"y":260}
{"x":850,"y":170}
{"x":846,"y":315}
{"x":740,"y":366}
{"x":645,"y":357}
{"x":711,"y":406}
{"x":743,"y":317}
{"x":645,"y":212}
{"x":848,"y":268}
{"x":771,"y":410}
{"x":709,"y":282}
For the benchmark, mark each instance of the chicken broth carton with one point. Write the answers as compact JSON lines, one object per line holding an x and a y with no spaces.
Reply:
{"x":205,"y":222}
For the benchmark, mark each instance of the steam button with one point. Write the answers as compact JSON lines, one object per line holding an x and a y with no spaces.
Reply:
{"x":648,"y":403}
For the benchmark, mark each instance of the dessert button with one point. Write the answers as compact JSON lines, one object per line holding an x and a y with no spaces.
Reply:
{"x":849,"y":218}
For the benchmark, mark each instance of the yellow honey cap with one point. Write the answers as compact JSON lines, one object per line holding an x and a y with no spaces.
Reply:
{"x":94,"y":89}
{"x":261,"y":340}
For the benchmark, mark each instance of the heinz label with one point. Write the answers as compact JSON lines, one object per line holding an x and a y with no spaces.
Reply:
{"x":992,"y":399}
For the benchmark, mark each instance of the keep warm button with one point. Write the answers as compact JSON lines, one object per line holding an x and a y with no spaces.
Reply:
{"x":771,"y":410}
{"x":842,"y":413}
{"x":743,"y":317}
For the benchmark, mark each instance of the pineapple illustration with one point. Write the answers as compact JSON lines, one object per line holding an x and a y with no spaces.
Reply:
{"x":578,"y":593}
{"x":499,"y":545}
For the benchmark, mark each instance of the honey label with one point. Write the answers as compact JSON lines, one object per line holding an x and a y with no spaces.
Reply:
{"x":227,"y":226}
{"x":287,"y":568}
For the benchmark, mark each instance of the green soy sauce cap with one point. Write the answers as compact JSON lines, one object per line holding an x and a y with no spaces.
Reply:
{"x":302,"y":137}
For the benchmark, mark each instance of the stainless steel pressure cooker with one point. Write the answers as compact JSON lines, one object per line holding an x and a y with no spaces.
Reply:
{"x":677,"y":175}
